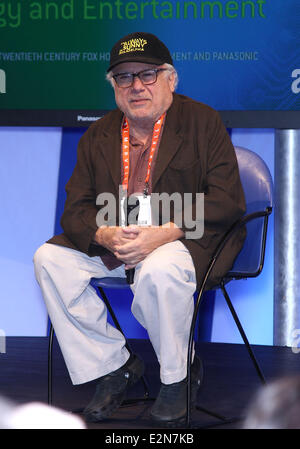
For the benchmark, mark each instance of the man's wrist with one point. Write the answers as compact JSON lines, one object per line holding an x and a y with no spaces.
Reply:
{"x":173,"y":232}
{"x":98,"y":237}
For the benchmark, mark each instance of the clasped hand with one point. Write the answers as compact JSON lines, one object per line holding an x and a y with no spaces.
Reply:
{"x":131,"y":244}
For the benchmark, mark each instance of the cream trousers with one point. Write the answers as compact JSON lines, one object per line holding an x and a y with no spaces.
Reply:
{"x":163,"y":303}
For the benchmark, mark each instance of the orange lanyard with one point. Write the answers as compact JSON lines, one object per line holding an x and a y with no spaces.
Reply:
{"x":125,"y":151}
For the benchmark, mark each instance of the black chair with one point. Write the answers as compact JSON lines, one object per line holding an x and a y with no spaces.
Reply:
{"x":258,"y":188}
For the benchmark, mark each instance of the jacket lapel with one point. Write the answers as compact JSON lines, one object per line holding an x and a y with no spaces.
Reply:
{"x":169,"y":145}
{"x":170,"y":142}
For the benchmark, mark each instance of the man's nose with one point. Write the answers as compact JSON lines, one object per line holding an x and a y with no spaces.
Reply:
{"x":137,"y":84}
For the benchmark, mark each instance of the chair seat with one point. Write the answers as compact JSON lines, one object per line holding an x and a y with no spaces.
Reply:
{"x":110,"y":282}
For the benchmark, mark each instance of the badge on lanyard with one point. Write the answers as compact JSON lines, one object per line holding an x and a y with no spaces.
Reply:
{"x":136,"y":209}
{"x":141,"y":213}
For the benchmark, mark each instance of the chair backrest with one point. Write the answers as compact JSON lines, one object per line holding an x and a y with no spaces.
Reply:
{"x":256,"y":180}
{"x":258,"y":188}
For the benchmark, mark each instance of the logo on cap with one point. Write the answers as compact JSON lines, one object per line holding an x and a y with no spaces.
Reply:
{"x":132,"y":45}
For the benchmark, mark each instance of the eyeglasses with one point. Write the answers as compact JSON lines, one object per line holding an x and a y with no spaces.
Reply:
{"x":147,"y":77}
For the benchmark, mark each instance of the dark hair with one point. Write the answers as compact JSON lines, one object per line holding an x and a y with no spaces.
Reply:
{"x":276,"y":406}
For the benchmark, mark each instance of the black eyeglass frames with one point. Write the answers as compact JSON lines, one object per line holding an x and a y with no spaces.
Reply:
{"x":148,"y":76}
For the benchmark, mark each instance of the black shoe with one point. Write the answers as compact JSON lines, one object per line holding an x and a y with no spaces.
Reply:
{"x":170,"y":407}
{"x":111,"y":390}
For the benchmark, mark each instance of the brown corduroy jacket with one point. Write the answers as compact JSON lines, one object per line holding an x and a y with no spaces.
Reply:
{"x":195,"y":155}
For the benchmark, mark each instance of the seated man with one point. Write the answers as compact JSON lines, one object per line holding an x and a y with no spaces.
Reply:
{"x":175,"y":145}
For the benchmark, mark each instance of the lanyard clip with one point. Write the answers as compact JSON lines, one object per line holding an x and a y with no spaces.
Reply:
{"x":146,"y":189}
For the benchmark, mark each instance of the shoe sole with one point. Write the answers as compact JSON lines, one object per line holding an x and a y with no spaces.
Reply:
{"x":175,"y":423}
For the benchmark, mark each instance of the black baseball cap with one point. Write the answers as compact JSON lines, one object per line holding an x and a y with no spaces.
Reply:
{"x":139,"y":47}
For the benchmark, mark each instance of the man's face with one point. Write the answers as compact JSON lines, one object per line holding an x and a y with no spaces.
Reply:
{"x":144,"y":104}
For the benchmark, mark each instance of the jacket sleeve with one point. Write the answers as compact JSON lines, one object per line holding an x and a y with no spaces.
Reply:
{"x":79,"y":217}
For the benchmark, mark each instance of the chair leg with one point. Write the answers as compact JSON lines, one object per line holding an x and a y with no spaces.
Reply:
{"x":189,"y":354}
{"x":112,"y":314}
{"x":50,"y":351}
{"x":221,"y":418}
{"x":243,"y":335}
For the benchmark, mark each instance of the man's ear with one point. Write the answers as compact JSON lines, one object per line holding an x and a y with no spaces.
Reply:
{"x":172,"y":81}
